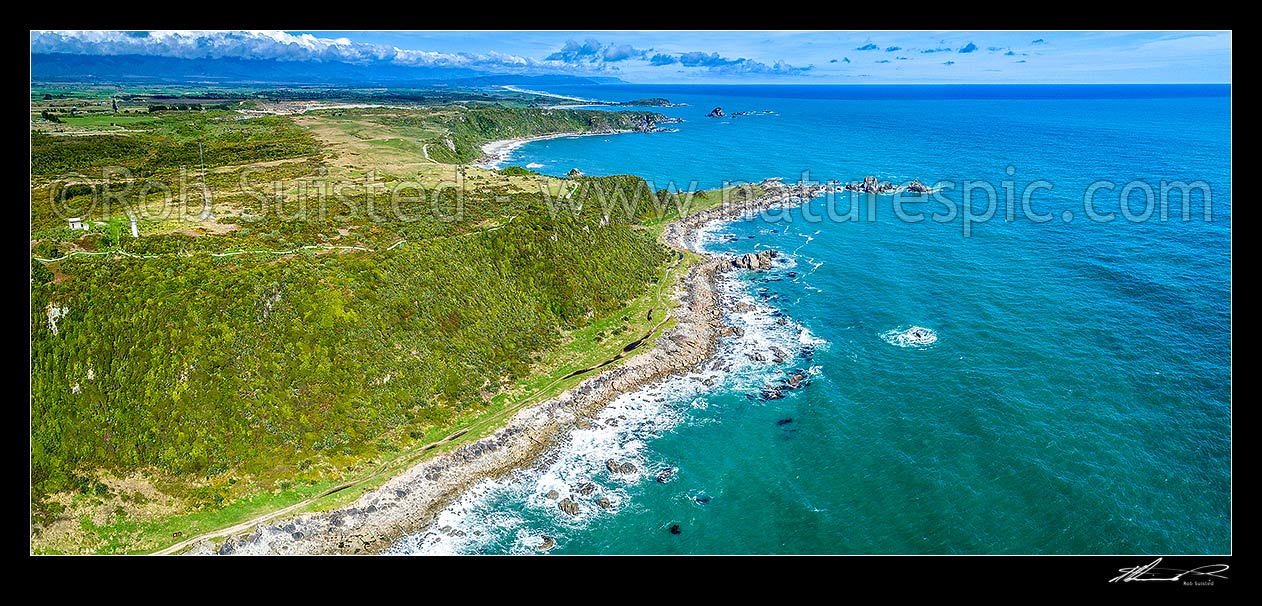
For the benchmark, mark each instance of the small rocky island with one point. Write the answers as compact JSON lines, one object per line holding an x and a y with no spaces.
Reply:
{"x":650,"y":102}
{"x":718,"y":113}
{"x":871,"y":186}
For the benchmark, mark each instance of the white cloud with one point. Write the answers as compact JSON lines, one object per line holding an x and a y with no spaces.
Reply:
{"x":277,"y":45}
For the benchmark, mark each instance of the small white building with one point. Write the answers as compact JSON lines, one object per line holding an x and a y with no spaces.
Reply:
{"x":77,"y":223}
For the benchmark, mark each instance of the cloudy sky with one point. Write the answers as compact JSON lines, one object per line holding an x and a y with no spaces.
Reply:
{"x":718,"y":56}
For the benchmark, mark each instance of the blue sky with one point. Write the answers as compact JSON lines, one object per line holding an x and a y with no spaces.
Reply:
{"x":876,"y":57}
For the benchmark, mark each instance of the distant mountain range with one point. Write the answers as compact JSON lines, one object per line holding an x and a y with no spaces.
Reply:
{"x":150,"y":69}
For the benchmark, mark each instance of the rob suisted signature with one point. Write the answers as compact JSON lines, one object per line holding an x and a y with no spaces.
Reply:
{"x":1151,"y":572}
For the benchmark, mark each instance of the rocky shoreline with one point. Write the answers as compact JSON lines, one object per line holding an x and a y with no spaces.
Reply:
{"x":410,"y":501}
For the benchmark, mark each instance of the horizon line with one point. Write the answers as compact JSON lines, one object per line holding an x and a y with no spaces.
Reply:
{"x":919,"y":83}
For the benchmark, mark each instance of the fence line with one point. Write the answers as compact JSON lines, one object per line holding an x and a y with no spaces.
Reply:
{"x":234,"y":253}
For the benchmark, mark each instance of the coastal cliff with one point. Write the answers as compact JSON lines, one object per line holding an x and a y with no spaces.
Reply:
{"x":410,"y":501}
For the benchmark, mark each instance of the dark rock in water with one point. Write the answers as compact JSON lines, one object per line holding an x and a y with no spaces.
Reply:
{"x":626,"y":468}
{"x":782,"y":321}
{"x":709,"y":382}
{"x":702,"y":498}
{"x":792,"y":274}
{"x":715,"y":113}
{"x":757,"y":357}
{"x":871,"y":186}
{"x":756,"y":261}
{"x":568,"y":506}
{"x":296,"y":535}
{"x":674,"y":529}
{"x":226,"y":548}
{"x":553,"y":495}
{"x":548,"y":543}
{"x":612,"y":422}
{"x":784,"y":421}
{"x":746,"y":261}
{"x":797,"y":379}
{"x":604,"y":503}
{"x":586,"y":488}
{"x":612,"y":466}
{"x":917,"y":187}
{"x":665,"y":475}
{"x":771,"y":393}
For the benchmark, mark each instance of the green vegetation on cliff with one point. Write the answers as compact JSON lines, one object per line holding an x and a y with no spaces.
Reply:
{"x":203,"y":370}
{"x":468,"y":130}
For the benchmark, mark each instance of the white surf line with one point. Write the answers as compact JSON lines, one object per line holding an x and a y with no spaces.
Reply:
{"x":552,"y":95}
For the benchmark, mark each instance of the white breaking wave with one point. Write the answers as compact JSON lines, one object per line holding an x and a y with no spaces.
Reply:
{"x":917,"y":337}
{"x":517,"y":89}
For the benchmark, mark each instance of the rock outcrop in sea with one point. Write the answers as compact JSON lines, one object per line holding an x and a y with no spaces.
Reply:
{"x":755,"y":261}
{"x":715,"y":113}
{"x":917,"y":187}
{"x":871,"y":186}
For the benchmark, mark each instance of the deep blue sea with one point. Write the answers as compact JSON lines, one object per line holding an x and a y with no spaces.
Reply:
{"x":1058,"y":386}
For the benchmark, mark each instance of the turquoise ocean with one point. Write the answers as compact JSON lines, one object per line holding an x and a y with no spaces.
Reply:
{"x":1034,"y":387}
